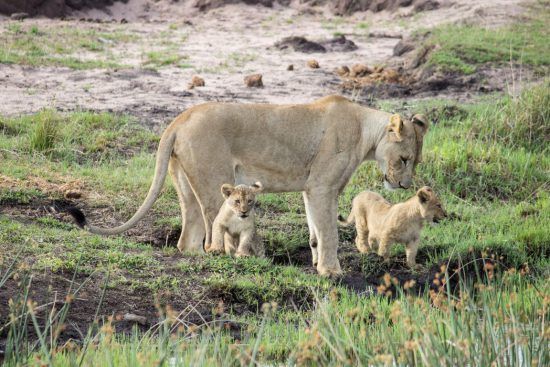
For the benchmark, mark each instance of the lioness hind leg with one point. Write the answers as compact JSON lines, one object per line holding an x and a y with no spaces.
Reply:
{"x":192,"y":227}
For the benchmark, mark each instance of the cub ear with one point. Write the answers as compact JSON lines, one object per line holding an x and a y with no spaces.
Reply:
{"x":227,"y":189}
{"x":421,"y":124}
{"x":257,"y":187}
{"x":395,"y":128}
{"x":424,"y":194}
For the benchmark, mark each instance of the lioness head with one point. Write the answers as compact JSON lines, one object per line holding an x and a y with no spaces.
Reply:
{"x":241,"y":198}
{"x":401,"y":150}
{"x":430,"y":205}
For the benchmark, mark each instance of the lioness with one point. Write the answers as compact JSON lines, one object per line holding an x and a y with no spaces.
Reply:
{"x":380,"y":224}
{"x":233,"y":229}
{"x":313,"y":148}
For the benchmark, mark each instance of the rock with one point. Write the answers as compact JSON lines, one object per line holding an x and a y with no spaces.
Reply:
{"x":300,"y":44}
{"x":196,"y":81}
{"x":402,"y":47}
{"x":346,"y":7}
{"x":290,"y":67}
{"x":135,"y":318}
{"x":384,"y":34}
{"x":339,"y":44}
{"x":359,"y":70}
{"x":313,"y":64}
{"x":342,"y":70}
{"x":19,"y":16}
{"x":425,"y":5}
{"x":420,"y":57}
{"x":253,"y":81}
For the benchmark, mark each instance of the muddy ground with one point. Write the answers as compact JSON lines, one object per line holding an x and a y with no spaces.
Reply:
{"x":222,"y":46}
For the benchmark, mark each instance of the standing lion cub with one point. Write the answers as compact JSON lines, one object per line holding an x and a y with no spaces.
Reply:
{"x":233,"y":229}
{"x":381,"y":224}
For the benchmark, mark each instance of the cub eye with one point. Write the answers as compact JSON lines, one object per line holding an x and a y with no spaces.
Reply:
{"x":404,"y":160}
{"x":237,"y":201}
{"x":250,"y":202}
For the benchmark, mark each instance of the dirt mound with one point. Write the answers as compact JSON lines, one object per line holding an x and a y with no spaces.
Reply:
{"x":338,"y":7}
{"x":50,"y":8}
{"x":204,"y":5}
{"x":302,"y":44}
{"x":346,"y":7}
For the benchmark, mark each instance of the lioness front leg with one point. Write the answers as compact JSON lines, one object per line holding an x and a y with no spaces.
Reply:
{"x":312,"y":237}
{"x":323,"y":209}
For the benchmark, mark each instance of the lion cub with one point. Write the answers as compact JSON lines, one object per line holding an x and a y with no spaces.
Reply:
{"x":233,"y":230}
{"x":381,"y":224}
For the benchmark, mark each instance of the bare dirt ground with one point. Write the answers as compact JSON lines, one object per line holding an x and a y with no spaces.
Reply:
{"x":222,"y":46}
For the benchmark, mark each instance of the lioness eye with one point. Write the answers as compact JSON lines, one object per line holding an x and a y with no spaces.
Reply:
{"x":237,"y":201}
{"x":250,"y":202}
{"x":404,"y":160}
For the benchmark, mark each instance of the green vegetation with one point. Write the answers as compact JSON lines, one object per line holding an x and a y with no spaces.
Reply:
{"x":59,"y":46}
{"x":480,"y":298}
{"x":163,"y":58}
{"x":462,"y":48}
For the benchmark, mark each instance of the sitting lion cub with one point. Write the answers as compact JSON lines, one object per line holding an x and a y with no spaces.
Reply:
{"x":233,"y":230}
{"x":380,"y":224}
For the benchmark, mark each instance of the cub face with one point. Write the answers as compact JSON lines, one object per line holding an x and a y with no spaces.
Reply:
{"x":241,"y":198}
{"x":431,"y":207}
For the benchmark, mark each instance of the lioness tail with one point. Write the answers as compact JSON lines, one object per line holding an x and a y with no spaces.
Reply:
{"x":164,"y":151}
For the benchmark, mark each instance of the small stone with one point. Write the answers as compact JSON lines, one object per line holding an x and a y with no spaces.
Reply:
{"x":313,"y":64}
{"x":19,"y":16}
{"x":124,"y":21}
{"x":197,"y":81}
{"x":253,"y":81}
{"x":290,"y":67}
{"x":342,"y":70}
{"x":359,"y":70}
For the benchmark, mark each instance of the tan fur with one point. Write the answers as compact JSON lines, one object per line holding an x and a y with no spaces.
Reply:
{"x":233,"y":230}
{"x":380,"y":224}
{"x":313,"y":148}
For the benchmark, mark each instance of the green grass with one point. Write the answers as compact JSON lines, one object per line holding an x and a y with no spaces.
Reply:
{"x":32,"y":45}
{"x":488,"y":161}
{"x":501,"y":322}
{"x":156,"y":59}
{"x":462,"y":48}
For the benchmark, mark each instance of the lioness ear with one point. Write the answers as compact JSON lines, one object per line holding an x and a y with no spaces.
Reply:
{"x":395,"y":127}
{"x":421,"y":124}
{"x":424,"y":194}
{"x":227,"y":189}
{"x":257,"y":187}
